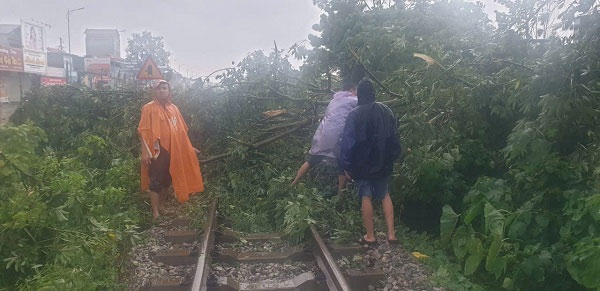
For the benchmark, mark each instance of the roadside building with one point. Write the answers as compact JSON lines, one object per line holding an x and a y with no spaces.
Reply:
{"x":22,"y":63}
{"x":102,"y":43}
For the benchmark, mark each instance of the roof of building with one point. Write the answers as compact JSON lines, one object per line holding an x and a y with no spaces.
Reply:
{"x":101,"y":31}
{"x":8,"y":28}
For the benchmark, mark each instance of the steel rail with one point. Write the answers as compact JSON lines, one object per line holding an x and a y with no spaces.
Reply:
{"x":333,"y":274}
{"x":208,"y":239}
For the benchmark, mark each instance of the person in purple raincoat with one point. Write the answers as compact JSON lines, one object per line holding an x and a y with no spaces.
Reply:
{"x":325,"y":144}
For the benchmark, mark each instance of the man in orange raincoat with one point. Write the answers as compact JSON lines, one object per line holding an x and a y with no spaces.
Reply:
{"x":167,"y":153}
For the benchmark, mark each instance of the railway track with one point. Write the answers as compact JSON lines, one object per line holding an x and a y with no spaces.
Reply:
{"x":225,"y":260}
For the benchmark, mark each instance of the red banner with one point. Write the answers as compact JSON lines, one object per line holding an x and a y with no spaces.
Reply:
{"x":97,"y":66}
{"x":53,"y":81}
{"x":11,"y":59}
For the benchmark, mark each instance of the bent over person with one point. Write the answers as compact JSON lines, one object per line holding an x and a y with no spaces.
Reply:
{"x":168,"y":156}
{"x":368,"y":151}
{"x":325,"y":143}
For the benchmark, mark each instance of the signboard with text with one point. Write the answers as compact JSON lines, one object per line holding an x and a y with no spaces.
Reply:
{"x":52,"y":81}
{"x":33,"y":39}
{"x":11,"y":59}
{"x":34,"y":62}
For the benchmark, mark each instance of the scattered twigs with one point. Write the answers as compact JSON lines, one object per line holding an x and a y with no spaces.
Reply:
{"x":287,"y":125}
{"x":278,"y":136}
{"x":391,"y":102}
{"x":265,"y":119}
{"x":460,"y":79}
{"x":296,"y":99}
{"x":240,"y":142}
{"x":259,"y":144}
{"x":514,"y":64}
{"x":215,"y":158}
{"x":252,"y":96}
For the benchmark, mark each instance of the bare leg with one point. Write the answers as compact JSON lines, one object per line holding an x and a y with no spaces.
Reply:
{"x":367,"y":215}
{"x":301,"y":172}
{"x":341,"y":184}
{"x":388,"y":212}
{"x":155,"y":202}
{"x":163,"y":197}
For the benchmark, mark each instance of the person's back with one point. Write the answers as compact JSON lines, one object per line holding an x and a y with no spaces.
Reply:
{"x":369,"y":146}
{"x":376,"y":146}
{"x":326,"y":139}
{"x":368,"y":150}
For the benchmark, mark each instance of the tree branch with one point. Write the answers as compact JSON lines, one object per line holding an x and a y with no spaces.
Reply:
{"x":297,"y":99}
{"x":208,"y":76}
{"x":261,"y":98}
{"x":287,"y":125}
{"x":241,"y":142}
{"x":513,"y":63}
{"x":372,"y":76}
{"x":313,"y":87}
{"x":299,"y":125}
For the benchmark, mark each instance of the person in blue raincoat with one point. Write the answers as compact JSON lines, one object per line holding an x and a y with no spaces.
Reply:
{"x":369,"y":148}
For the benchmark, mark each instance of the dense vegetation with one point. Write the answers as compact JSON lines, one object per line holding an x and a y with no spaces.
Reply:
{"x":68,"y":180}
{"x":500,"y":123}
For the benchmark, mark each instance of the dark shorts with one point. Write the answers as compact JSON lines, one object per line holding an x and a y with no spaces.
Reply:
{"x":375,"y":188}
{"x":160,"y":177}
{"x":314,"y":160}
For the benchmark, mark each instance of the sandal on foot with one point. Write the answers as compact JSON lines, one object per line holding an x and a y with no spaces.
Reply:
{"x":363,"y":241}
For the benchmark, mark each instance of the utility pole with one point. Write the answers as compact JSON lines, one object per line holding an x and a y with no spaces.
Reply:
{"x":69,"y":24}
{"x":61,"y":45}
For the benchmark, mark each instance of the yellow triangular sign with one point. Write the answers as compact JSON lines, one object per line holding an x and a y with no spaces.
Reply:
{"x":149,"y":71}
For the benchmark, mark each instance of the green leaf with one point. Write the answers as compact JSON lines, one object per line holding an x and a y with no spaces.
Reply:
{"x":494,"y":220}
{"x":474,"y":246}
{"x":508,"y":284}
{"x":475,"y":249}
{"x":493,"y":252}
{"x":60,"y":214}
{"x":474,"y":211}
{"x":592,"y":204}
{"x":583,"y":262}
{"x":516,"y":229}
{"x":493,"y":263}
{"x":460,"y":241}
{"x":447,"y":223}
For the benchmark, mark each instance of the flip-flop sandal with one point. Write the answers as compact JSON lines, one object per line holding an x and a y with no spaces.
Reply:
{"x":363,"y":241}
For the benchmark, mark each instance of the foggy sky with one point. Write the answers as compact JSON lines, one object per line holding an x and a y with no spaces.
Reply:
{"x":201,"y":35}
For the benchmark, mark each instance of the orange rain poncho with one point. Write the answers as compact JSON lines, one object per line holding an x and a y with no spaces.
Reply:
{"x":165,"y":121}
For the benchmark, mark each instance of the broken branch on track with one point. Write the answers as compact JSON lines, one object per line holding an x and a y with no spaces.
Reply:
{"x":297,"y":125}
